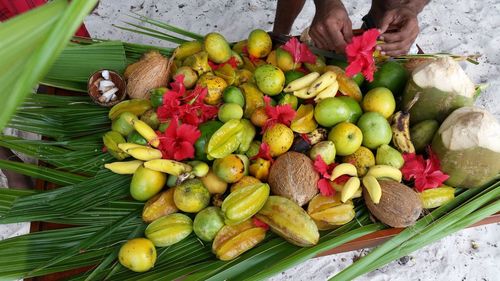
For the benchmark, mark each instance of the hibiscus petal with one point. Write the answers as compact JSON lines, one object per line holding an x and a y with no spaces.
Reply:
{"x":259,"y":223}
{"x":285,"y":114}
{"x":188,"y":133}
{"x":321,"y":167}
{"x":360,"y":54}
{"x":325,"y":188}
{"x":184,"y":150}
{"x":300,"y":51}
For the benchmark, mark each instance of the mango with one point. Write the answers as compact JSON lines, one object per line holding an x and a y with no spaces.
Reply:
{"x":146,"y":183}
{"x":233,"y":240}
{"x":329,"y":211}
{"x":190,"y":76}
{"x":207,"y":223}
{"x":290,"y":221}
{"x":160,"y":205}
{"x":187,"y":49}
{"x":217,"y":47}
{"x":244,"y":202}
{"x":191,"y":196}
{"x":169,"y":230}
{"x":138,"y":254}
{"x":284,"y":60}
{"x":231,"y":168}
{"x":325,"y":149}
{"x":270,"y":79}
{"x":259,"y":43}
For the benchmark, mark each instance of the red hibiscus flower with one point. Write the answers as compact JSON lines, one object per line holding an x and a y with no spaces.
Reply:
{"x":231,"y":61}
{"x":299,"y":51}
{"x":360,"y":54}
{"x":259,"y":223}
{"x":177,"y":141}
{"x":283,"y":114}
{"x":325,"y":172}
{"x":264,"y":153}
{"x":427,"y":174}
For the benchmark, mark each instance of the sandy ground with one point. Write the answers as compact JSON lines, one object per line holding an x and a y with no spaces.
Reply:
{"x":461,"y":27}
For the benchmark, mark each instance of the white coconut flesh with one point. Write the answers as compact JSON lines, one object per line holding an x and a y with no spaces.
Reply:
{"x":444,"y":74}
{"x":470,"y":127}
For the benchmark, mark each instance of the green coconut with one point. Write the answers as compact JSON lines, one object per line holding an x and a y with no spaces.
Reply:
{"x":443,"y":87}
{"x":468,"y":147}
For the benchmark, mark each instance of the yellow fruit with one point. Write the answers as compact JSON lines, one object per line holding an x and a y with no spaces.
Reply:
{"x":285,"y":61}
{"x":304,"y":122}
{"x":279,"y":138}
{"x":233,"y":240}
{"x":379,"y":100}
{"x":260,"y":169}
{"x":347,"y":138}
{"x":138,"y":254}
{"x":245,"y":202}
{"x":230,"y":168}
{"x":270,"y":79}
{"x":362,"y":158}
{"x":213,"y":183}
{"x":259,"y":43}
{"x":244,"y":181}
{"x":239,"y":46}
{"x":217,"y":47}
{"x":160,"y":205}
{"x":215,"y":86}
{"x":328,"y":211}
{"x":169,"y":229}
{"x":187,"y":49}
{"x":146,"y":183}
{"x":347,"y":86}
{"x":259,"y":117}
{"x":254,"y":98}
{"x":191,"y":196}
{"x":271,"y":58}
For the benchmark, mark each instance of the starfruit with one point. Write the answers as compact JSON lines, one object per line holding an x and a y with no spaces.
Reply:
{"x":134,"y":106}
{"x":290,"y":221}
{"x":254,"y":98}
{"x":187,"y":49}
{"x":329,"y":211}
{"x":228,"y":73}
{"x":226,"y":139}
{"x":169,"y":230}
{"x":160,"y":205}
{"x":304,"y":122}
{"x":433,"y":198}
{"x":244,"y":202}
{"x":247,"y":135}
{"x":233,"y":240}
{"x":111,"y":140}
{"x":198,"y":62}
{"x":347,"y":86}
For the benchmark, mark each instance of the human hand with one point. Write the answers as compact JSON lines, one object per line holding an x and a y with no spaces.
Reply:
{"x":331,"y":28}
{"x":399,"y":29}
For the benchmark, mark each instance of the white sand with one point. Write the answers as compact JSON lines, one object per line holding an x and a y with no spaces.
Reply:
{"x":452,"y":26}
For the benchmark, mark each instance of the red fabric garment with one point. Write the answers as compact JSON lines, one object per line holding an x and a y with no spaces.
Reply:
{"x":11,"y":8}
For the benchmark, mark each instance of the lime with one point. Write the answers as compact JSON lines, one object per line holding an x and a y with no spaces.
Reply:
{"x":270,"y":79}
{"x":135,"y":137}
{"x":230,"y":111}
{"x":391,"y":75}
{"x":292,"y":75}
{"x":233,"y":94}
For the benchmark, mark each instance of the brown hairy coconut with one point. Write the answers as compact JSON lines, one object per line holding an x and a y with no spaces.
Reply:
{"x":151,"y":71}
{"x":399,"y":205}
{"x":293,"y":176}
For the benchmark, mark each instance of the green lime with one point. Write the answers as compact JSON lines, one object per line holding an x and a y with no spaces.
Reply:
{"x":135,"y":137}
{"x":354,"y":108}
{"x":292,"y":75}
{"x":233,"y":94}
{"x":391,"y":75}
{"x":230,"y":111}
{"x":156,"y":96}
{"x":292,"y":100}
{"x":207,"y":129}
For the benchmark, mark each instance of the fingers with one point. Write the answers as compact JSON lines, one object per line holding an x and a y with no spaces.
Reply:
{"x":399,"y":42}
{"x":319,"y":37}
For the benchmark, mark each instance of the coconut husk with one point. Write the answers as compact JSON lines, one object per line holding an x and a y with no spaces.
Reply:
{"x":151,"y":71}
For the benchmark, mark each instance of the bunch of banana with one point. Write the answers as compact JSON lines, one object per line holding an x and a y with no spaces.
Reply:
{"x":123,"y":167}
{"x":147,"y":132}
{"x":400,"y":125}
{"x":314,"y":85}
{"x":351,"y":188}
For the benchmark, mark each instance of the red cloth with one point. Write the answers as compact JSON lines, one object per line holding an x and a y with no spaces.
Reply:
{"x":11,"y":8}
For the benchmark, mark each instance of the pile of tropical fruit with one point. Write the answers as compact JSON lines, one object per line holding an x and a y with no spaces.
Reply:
{"x":229,"y":141}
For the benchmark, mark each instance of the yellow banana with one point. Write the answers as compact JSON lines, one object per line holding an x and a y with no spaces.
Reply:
{"x":373,"y":187}
{"x":385,"y":171}
{"x":170,"y":167}
{"x":124,"y":167}
{"x":144,"y":153}
{"x":127,"y":145}
{"x":302,"y":82}
{"x":329,"y":92}
{"x":325,"y":80}
{"x":147,"y":132}
{"x":400,"y":126}
{"x":349,"y":189}
{"x":301,"y":93}
{"x":344,"y":169}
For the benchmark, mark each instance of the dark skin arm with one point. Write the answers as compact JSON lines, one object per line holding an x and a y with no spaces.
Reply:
{"x":286,"y":13}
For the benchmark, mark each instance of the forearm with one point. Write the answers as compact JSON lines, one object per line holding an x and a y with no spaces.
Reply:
{"x":379,"y":6}
{"x":286,"y":13}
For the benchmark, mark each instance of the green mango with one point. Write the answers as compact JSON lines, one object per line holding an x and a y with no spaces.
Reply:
{"x":146,"y":183}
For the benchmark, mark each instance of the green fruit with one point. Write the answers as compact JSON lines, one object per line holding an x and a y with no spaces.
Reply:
{"x":289,"y":99}
{"x":386,"y":155}
{"x":391,"y":75}
{"x":293,"y":75}
{"x":355,"y":110}
{"x":230,"y":111}
{"x":259,"y":43}
{"x":135,"y":137}
{"x":111,"y":140}
{"x":233,"y":94}
{"x":172,"y":181}
{"x":163,"y":126}
{"x":284,"y":60}
{"x":151,"y":118}
{"x":331,"y":111}
{"x":270,"y":79}
{"x":207,"y":223}
{"x":421,"y":134}
{"x":207,"y":129}
{"x":168,"y":230}
{"x":156,"y":96}
{"x":217,"y":47}
{"x":325,"y":149}
{"x":231,"y":168}
{"x":123,"y":124}
{"x":375,"y":128}
{"x":253,"y":149}
{"x":146,"y":183}
{"x":190,"y":76}
{"x":191,"y":196}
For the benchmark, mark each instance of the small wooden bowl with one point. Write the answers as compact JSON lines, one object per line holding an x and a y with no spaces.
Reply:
{"x":93,"y":87}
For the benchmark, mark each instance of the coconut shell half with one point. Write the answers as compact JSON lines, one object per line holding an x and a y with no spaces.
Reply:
{"x":399,"y":205}
{"x":293,"y":176}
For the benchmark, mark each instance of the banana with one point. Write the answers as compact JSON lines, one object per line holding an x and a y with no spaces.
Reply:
{"x":344,"y":169}
{"x":144,"y":153}
{"x":373,"y":187}
{"x":147,"y":132}
{"x":329,"y":92}
{"x":127,"y":145}
{"x":301,"y":93}
{"x":302,"y":82}
{"x":349,"y":189}
{"x":325,"y":80}
{"x":385,"y":171}
{"x":400,"y":126}
{"x":170,"y":167}
{"x":124,"y":167}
